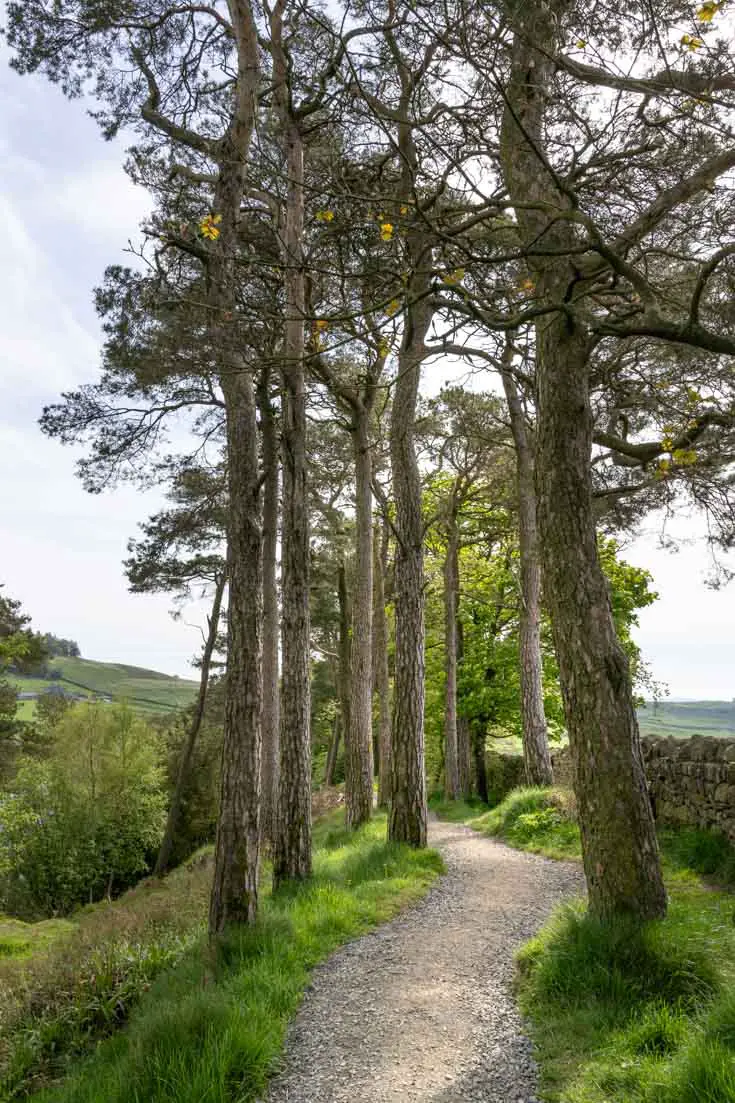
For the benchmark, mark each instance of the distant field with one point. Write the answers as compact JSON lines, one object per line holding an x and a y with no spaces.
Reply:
{"x":687,"y":718}
{"x":146,"y":690}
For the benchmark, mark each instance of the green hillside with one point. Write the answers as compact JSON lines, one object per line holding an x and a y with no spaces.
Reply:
{"x":145,"y":690}
{"x":687,"y":718}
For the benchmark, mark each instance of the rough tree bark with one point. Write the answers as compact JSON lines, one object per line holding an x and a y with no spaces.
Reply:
{"x":619,"y":846}
{"x":333,"y":751}
{"x":381,"y":673}
{"x":451,"y":604}
{"x":464,"y":743}
{"x":535,"y":739}
{"x":408,"y":810}
{"x":292,"y":852}
{"x":182,"y":775}
{"x":234,"y":895}
{"x":343,"y":665}
{"x":270,"y":759}
{"x":359,"y":791}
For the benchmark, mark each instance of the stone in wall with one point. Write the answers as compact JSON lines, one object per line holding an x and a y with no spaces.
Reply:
{"x":692,"y":781}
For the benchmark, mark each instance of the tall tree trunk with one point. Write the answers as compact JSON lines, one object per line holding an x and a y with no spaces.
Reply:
{"x":381,"y":673}
{"x":464,"y":742}
{"x":292,"y":854}
{"x":182,"y":775}
{"x":464,"y":755}
{"x":619,"y":846}
{"x":343,"y":665}
{"x":451,"y":595}
{"x":535,"y":739}
{"x":234,"y":896}
{"x":478,"y":754}
{"x":236,"y":865}
{"x":359,"y":789}
{"x":408,"y":811}
{"x":333,"y":750}
{"x":270,"y":759}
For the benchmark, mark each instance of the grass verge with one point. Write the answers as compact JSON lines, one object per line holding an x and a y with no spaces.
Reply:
{"x":211,"y":1027}
{"x":621,"y":1014}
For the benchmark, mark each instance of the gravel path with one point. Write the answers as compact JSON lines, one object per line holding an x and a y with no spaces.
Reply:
{"x":422,"y":1009}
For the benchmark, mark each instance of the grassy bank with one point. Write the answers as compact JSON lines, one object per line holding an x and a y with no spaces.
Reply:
{"x":619,"y":1014}
{"x":201,"y":1026}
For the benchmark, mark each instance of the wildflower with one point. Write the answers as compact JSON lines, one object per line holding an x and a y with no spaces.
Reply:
{"x":209,"y":226}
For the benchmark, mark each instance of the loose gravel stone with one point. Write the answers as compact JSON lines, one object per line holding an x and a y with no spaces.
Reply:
{"x":421,"y":1009}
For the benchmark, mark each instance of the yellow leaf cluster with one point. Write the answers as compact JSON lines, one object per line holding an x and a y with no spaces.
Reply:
{"x":393,"y":307}
{"x":325,"y":216}
{"x":527,"y":285}
{"x":321,"y":325}
{"x":580,"y":44}
{"x":386,"y":230}
{"x":691,"y":42}
{"x":708,"y":11}
{"x":685,"y":457}
{"x":452,"y":278}
{"x":209,"y":226}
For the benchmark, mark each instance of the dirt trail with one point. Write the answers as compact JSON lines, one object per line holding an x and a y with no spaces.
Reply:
{"x":422,"y":1008}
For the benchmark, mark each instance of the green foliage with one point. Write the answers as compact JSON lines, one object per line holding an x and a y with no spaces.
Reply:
{"x":213,"y":1027}
{"x":535,"y":819}
{"x":86,"y":821}
{"x":709,"y":853}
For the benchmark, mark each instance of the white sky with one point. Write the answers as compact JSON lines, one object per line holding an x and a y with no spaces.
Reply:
{"x":67,"y":210}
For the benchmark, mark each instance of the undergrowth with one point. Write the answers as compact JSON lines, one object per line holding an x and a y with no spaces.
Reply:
{"x":211,"y":1027}
{"x":620,"y":1013}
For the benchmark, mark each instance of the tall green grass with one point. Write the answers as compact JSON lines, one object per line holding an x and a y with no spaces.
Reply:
{"x":211,"y":1029}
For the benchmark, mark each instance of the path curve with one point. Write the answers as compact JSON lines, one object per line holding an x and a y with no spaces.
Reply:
{"x":421,"y":1009}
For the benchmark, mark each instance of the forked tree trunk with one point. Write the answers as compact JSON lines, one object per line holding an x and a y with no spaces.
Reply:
{"x":381,"y":673}
{"x":451,"y":595}
{"x":535,"y":739}
{"x":292,"y":853}
{"x":619,"y":846}
{"x":270,"y":759}
{"x":182,"y":775}
{"x":359,"y":789}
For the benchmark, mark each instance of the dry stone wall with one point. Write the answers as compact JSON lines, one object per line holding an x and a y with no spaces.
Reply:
{"x":692,"y":781}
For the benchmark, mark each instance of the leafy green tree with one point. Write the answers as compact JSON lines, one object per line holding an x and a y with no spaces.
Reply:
{"x":86,"y":822}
